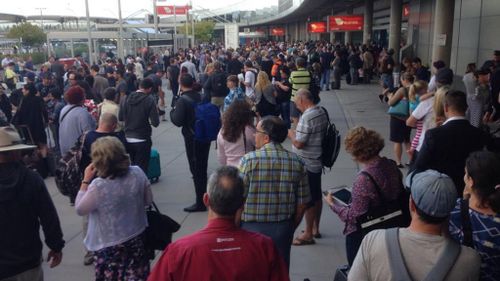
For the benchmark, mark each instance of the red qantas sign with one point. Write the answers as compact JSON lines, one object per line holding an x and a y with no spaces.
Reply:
{"x":317,"y":27}
{"x":346,"y":23}
{"x":278,"y":31}
{"x":169,"y":10}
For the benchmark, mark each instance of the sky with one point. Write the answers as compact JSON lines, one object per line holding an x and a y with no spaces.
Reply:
{"x":109,"y":8}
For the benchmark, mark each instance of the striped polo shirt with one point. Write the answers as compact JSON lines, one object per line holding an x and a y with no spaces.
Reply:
{"x":310,"y":131}
{"x":300,"y":79}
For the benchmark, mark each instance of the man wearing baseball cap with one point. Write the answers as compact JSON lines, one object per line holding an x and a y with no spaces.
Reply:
{"x":420,"y":251}
{"x":25,"y":204}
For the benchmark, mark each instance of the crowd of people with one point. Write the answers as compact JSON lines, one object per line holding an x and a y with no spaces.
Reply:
{"x":266,"y":94}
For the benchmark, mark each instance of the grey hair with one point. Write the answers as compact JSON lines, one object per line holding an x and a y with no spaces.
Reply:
{"x":225,"y":190}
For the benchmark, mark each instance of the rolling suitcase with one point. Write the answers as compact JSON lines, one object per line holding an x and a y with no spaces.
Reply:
{"x":154,"y":168}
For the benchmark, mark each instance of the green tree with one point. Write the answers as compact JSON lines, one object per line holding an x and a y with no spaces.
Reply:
{"x":203,"y":30}
{"x":31,"y":35}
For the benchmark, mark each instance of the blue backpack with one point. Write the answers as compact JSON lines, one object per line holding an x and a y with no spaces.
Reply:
{"x":207,"y":122}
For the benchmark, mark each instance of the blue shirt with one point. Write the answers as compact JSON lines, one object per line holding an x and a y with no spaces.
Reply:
{"x":485,"y":237}
{"x":236,"y":93}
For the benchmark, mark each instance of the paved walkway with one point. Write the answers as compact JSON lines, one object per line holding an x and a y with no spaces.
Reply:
{"x":351,"y":106}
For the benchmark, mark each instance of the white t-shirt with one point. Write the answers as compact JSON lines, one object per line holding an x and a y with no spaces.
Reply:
{"x":425,"y":112}
{"x":250,"y":78}
{"x":420,"y":253}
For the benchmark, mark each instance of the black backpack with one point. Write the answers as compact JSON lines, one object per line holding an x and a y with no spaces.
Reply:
{"x":219,"y":85}
{"x":330,"y":144}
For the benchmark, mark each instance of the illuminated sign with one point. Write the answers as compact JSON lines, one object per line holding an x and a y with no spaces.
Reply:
{"x":346,"y":23}
{"x":278,"y":31}
{"x":406,"y":10}
{"x":317,"y":27}
{"x":169,"y":10}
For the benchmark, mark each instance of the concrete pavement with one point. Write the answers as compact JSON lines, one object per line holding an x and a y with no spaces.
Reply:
{"x":351,"y":106}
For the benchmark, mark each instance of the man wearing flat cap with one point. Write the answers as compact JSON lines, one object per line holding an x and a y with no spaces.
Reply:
{"x":420,"y":251}
{"x":25,"y":205}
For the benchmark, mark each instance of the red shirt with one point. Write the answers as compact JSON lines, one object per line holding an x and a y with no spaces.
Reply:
{"x":221,"y":251}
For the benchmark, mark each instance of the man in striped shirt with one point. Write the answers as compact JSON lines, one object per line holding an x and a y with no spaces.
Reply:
{"x":300,"y":79}
{"x":276,"y":186}
{"x":307,"y":143}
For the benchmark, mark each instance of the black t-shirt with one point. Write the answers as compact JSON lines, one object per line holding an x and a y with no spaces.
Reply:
{"x":90,"y":138}
{"x":326,"y":60}
{"x":234,"y":67}
{"x":284,"y":96}
{"x":157,"y":81}
{"x":385,"y":63}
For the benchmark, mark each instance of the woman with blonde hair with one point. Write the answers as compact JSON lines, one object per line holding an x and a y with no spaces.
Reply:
{"x":417,"y":89}
{"x":265,"y":96}
{"x":114,"y":196}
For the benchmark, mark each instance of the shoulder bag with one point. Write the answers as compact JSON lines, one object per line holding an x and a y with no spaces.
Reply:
{"x":387,"y":214}
{"x":466,"y":223}
{"x":158,"y":234}
{"x":402,"y":108}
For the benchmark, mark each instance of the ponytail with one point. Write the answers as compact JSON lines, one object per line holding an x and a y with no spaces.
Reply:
{"x":484,"y":169}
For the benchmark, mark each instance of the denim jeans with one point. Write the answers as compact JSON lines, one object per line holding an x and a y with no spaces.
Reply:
{"x":354,"y":76}
{"x":325,"y":79}
{"x":139,"y":154}
{"x":352,"y":244}
{"x":280,"y":232}
{"x":285,"y":113}
{"x":197,"y":155}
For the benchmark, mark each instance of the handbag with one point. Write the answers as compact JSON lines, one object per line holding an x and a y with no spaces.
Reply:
{"x":158,"y":234}
{"x":388,"y":214}
{"x":402,"y":108}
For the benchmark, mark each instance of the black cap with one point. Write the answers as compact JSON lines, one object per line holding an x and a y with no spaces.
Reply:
{"x":483,"y":71}
{"x":439,"y":64}
{"x":496,"y":52}
{"x":444,"y":76}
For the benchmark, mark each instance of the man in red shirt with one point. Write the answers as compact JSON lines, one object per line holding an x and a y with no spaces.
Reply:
{"x":222,"y":251}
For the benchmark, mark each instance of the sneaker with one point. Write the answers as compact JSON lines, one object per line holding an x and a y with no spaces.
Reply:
{"x":88,"y":259}
{"x":195,"y":208}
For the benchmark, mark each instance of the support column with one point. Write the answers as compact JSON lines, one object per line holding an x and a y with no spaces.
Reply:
{"x":307,"y":31}
{"x":287,"y":36}
{"x":73,"y":50}
{"x":395,"y":27}
{"x":332,"y":34}
{"x":348,"y":34}
{"x":443,"y":30}
{"x":368,"y":22}
{"x":297,"y":31}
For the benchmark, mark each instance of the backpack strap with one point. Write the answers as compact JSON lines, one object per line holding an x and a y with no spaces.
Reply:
{"x":466,"y":223}
{"x":245,"y":140}
{"x":396,"y":259}
{"x":397,"y":265}
{"x":445,"y":262}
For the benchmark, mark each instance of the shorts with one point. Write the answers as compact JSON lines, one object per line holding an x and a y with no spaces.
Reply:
{"x":314,"y":187}
{"x":399,"y":131}
{"x":294,"y":111}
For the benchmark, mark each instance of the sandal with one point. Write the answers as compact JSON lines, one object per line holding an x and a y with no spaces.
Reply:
{"x":302,"y":242}
{"x":317,"y":235}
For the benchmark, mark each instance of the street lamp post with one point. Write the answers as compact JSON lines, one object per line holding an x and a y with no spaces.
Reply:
{"x":89,"y":35}
{"x":120,"y":33}
{"x":41,"y":25}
